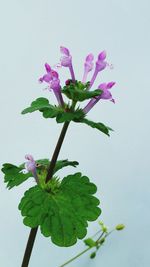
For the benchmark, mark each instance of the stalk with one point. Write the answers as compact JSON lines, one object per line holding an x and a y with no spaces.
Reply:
{"x":33,"y":232}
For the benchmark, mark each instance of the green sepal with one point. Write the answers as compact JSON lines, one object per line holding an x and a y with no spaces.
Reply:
{"x":93,"y":255}
{"x":69,"y":115}
{"x":62,"y":215}
{"x":14,"y":176}
{"x":78,"y":91}
{"x":97,"y":125}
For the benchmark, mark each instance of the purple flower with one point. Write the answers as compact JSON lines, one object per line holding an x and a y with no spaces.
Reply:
{"x":88,"y":66}
{"x":30,"y":166}
{"x":100,"y":65}
{"x":106,"y":94}
{"x":66,"y":61}
{"x":52,"y":78}
{"x":55,"y":86}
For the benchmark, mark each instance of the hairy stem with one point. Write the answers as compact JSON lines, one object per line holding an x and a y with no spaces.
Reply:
{"x":33,"y":231}
{"x":56,"y":152}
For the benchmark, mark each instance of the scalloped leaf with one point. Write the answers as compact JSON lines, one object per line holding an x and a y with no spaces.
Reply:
{"x":78,"y":91}
{"x":49,"y":111}
{"x":42,"y":104}
{"x":97,"y":125}
{"x":14,"y":175}
{"x":64,"y":215}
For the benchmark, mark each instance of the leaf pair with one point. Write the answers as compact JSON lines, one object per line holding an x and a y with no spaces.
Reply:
{"x":50,"y":111}
{"x":61,"y":115}
{"x":15,"y":176}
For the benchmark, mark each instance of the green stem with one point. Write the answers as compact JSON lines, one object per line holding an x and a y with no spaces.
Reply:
{"x":74,"y":258}
{"x":33,"y":231}
{"x":87,"y":249}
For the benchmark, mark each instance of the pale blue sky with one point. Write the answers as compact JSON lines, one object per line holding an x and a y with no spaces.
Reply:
{"x":31,"y":33}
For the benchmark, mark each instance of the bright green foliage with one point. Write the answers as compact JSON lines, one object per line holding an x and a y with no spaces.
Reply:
{"x":78,"y":91}
{"x":97,"y":125}
{"x":90,"y":242}
{"x":42,"y":104}
{"x":49,"y":111}
{"x":42,"y":168}
{"x":69,"y":115}
{"x":14,"y":175}
{"x":64,"y":163}
{"x":62,"y":214}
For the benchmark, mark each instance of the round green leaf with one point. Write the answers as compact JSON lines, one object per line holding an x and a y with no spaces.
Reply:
{"x":62,"y":215}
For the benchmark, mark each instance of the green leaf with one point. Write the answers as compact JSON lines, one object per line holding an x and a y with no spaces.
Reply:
{"x":62,"y":215}
{"x":97,"y":125}
{"x":13,"y":175}
{"x":90,"y":242}
{"x":49,"y":111}
{"x":64,"y":163}
{"x":70,"y":115}
{"x":78,"y":91}
{"x":42,"y":104}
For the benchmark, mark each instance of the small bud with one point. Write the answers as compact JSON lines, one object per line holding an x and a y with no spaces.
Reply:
{"x":29,"y":157}
{"x":64,"y":51}
{"x":102,"y":55}
{"x":103,"y":227}
{"x":110,"y":85}
{"x":47,"y":67}
{"x":93,"y":255}
{"x":90,"y":242}
{"x":68,"y":82}
{"x":102,"y":240}
{"x":120,"y":227}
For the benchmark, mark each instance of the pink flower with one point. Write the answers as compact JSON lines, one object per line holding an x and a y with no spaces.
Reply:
{"x":30,"y":166}
{"x":52,"y":78}
{"x":106,"y":94}
{"x":100,"y":65}
{"x":88,"y":66}
{"x":66,"y":61}
{"x":105,"y":87}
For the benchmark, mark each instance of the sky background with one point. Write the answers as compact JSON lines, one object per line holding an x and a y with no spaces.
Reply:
{"x":31,"y":34}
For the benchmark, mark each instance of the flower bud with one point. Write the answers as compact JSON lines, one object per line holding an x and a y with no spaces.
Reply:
{"x":120,"y":227}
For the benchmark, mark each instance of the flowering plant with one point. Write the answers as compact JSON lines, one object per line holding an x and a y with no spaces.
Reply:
{"x":62,"y":208}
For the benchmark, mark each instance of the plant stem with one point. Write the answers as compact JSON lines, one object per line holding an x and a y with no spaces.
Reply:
{"x":33,"y":231}
{"x":77,"y":256}
{"x":29,"y":247}
{"x":87,"y":249}
{"x":56,"y":152}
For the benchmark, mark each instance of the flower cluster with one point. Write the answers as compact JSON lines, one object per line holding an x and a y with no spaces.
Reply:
{"x":52,"y":77}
